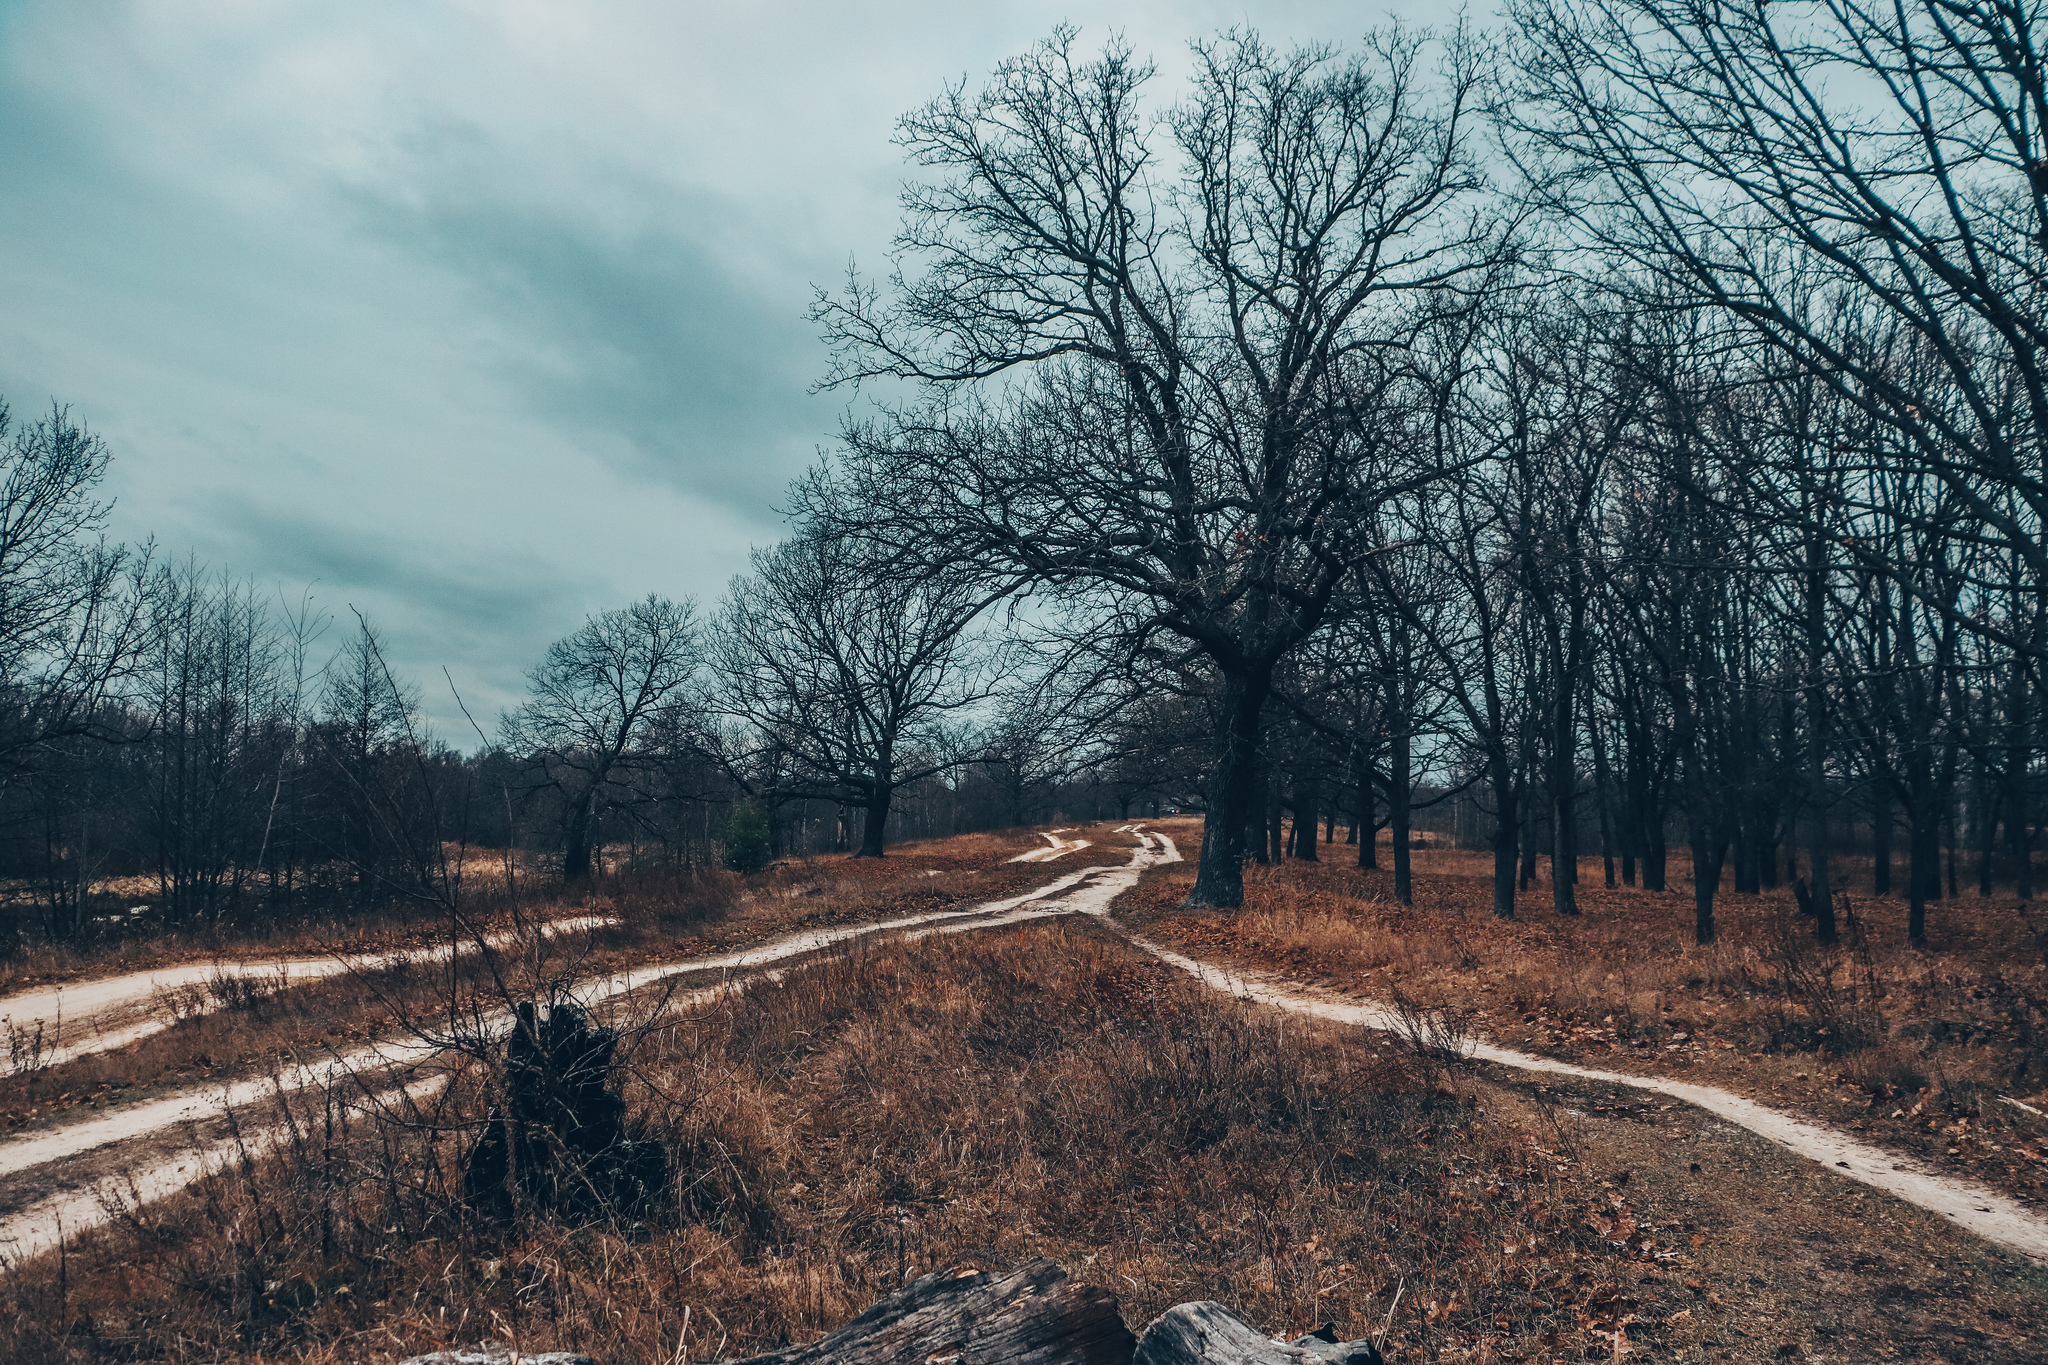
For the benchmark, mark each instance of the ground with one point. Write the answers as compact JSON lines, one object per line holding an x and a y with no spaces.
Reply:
{"x":1923,"y":1051}
{"x":1045,"y":1089}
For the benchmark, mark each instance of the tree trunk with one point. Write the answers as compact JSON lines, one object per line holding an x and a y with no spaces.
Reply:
{"x":1817,"y":739}
{"x":1923,"y":867}
{"x":1505,"y":850}
{"x":576,"y":853}
{"x":1307,"y":807}
{"x":1655,"y":855}
{"x":1527,"y":836}
{"x":1709,"y":849}
{"x":1984,"y":824}
{"x":1207,"y":1333}
{"x":1276,"y":822}
{"x":1881,"y":846}
{"x":1564,"y":852}
{"x":1747,"y":880}
{"x":1233,"y":795}
{"x":1032,"y":1315}
{"x":1823,"y":891}
{"x":1603,"y":792}
{"x":875,"y":826}
{"x":1398,"y":779}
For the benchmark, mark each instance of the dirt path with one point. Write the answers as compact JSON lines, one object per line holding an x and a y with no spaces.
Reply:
{"x":60,"y":1180}
{"x":1060,"y":848}
{"x":61,"y":1202}
{"x":1983,"y":1211}
{"x":80,"y":1018}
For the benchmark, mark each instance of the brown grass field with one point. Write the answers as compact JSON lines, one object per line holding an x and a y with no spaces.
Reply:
{"x":1046,"y":1090}
{"x":699,"y":911}
{"x":1919,"y":1050}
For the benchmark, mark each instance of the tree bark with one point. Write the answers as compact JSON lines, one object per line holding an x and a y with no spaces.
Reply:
{"x":1233,"y":795}
{"x":1709,"y":849}
{"x":1505,"y":849}
{"x":875,"y":825}
{"x":1923,"y":868}
{"x":1308,"y":805}
{"x":1030,"y":1316}
{"x":576,"y":853}
{"x":1210,"y":1334}
{"x":1399,"y":777}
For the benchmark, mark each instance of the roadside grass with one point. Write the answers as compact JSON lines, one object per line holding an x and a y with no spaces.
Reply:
{"x":490,"y":891}
{"x":980,"y":1100}
{"x":249,"y":926}
{"x":661,"y":918}
{"x":1919,"y":1050}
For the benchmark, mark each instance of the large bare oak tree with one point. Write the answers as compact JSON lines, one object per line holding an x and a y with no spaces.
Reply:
{"x":1166,"y":357}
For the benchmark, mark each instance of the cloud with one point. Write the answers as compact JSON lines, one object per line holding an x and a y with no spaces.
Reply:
{"x":484,"y":314}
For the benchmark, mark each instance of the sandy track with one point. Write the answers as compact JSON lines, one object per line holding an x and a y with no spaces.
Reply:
{"x":66,"y":1166}
{"x":80,"y":1018}
{"x":80,"y":1204}
{"x":1060,"y":848}
{"x":1984,"y":1211}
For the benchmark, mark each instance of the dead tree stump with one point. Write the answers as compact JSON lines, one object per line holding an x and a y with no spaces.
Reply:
{"x":560,"y":1137}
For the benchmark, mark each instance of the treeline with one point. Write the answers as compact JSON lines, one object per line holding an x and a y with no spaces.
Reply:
{"x":182,"y":747}
{"x":1630,"y":422}
{"x":1623,"y":431}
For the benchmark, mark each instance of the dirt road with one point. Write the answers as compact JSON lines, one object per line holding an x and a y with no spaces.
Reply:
{"x":78,"y":1019}
{"x":56,"y":1181}
{"x":59,"y":1180}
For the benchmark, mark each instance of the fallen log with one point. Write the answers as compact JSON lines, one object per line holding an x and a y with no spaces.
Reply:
{"x":1209,"y":1334}
{"x":497,"y":1353}
{"x":1028,"y":1316}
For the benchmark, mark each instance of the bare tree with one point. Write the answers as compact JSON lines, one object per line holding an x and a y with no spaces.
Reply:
{"x":593,"y":693}
{"x":1203,"y":328}
{"x":851,"y":679}
{"x":72,"y":609}
{"x":1825,"y":176}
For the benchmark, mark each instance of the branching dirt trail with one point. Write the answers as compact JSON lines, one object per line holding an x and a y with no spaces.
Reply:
{"x":61,"y":1180}
{"x":67,"y":1190}
{"x":78,"y":1019}
{"x":1060,"y":848}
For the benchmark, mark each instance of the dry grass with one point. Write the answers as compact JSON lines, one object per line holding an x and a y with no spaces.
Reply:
{"x":661,"y":918}
{"x":1915,"y":1049}
{"x":987,"y":1099}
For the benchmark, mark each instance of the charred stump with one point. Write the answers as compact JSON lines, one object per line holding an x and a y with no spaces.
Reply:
{"x":560,"y":1139}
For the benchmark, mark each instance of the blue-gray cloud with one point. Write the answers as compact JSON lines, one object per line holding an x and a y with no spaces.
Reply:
{"x":481,"y":317}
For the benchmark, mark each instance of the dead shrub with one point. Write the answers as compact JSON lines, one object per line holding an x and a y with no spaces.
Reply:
{"x":1828,"y":993}
{"x":1438,"y":1036}
{"x":227,"y":989}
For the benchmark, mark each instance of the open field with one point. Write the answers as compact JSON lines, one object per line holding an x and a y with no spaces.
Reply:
{"x":892,"y":1107}
{"x":192,"y":1041}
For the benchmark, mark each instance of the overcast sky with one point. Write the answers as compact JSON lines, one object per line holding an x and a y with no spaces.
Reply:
{"x":476,"y":316}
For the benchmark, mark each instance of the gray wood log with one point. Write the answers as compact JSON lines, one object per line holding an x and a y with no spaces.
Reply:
{"x":1030,"y":1316}
{"x":497,"y":1353}
{"x":1210,"y":1334}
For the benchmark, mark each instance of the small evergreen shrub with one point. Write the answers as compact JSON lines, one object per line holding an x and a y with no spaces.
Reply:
{"x":746,"y":838}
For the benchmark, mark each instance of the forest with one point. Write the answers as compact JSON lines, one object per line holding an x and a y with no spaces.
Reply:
{"x":1624,"y":439}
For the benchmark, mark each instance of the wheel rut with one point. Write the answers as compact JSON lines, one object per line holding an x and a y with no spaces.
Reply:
{"x":49,"y":1201}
